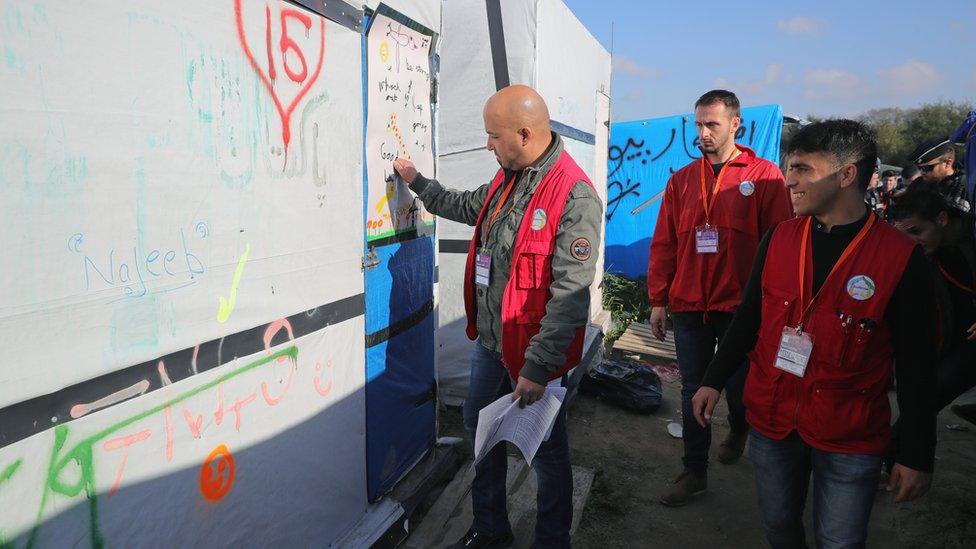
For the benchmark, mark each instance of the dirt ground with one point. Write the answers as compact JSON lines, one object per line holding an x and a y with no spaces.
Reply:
{"x":633,"y":458}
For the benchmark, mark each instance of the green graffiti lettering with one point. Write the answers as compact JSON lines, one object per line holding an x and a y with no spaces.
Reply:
{"x":82,"y":456}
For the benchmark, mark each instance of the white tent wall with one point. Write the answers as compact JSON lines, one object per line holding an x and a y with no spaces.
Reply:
{"x":183,"y":300}
{"x":548,"y":48}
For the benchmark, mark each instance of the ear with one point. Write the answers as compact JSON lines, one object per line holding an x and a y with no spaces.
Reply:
{"x":525,"y":134}
{"x":734,"y":124}
{"x":942,"y":220}
{"x":848,"y":175}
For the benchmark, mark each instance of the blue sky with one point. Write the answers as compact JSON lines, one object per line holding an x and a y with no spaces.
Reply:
{"x":825,"y":58}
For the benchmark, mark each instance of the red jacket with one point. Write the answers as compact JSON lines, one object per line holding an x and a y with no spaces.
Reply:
{"x":527,"y":289}
{"x":840,"y":404}
{"x":752,"y":198}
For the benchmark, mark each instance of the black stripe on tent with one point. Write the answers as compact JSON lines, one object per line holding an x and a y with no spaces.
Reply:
{"x":572,"y":133}
{"x":335,"y":10}
{"x":450,"y":246}
{"x":26,"y":418}
{"x":394,"y":330}
{"x":496,"y":37}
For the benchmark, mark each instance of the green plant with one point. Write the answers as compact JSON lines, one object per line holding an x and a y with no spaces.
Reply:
{"x":627,"y":301}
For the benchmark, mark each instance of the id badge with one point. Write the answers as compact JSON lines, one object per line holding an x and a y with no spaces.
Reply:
{"x":706,"y":240}
{"x":482,"y":268}
{"x":794,"y":351}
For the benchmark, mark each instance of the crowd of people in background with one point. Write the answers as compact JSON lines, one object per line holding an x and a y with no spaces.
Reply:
{"x":808,"y":297}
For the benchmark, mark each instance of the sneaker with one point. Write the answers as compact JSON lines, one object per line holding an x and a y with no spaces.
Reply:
{"x":732,"y":447}
{"x":477,"y":540}
{"x":685,"y":487}
{"x":965,"y":411}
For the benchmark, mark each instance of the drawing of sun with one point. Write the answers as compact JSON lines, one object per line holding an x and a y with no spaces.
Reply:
{"x":384,"y":51}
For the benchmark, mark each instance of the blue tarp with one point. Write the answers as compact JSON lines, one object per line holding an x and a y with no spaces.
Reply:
{"x":642,"y":156}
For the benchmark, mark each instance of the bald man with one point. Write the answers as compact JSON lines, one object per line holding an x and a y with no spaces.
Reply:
{"x":526,"y":293}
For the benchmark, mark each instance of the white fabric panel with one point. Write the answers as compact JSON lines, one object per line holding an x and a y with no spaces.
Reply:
{"x":572,"y":66}
{"x":170,"y":146}
{"x":467,"y":77}
{"x":453,"y":345}
{"x":599,"y":178}
{"x":425,"y":12}
{"x":464,"y":172}
{"x":161,"y":191}
{"x":521,"y":24}
{"x":293,"y":430}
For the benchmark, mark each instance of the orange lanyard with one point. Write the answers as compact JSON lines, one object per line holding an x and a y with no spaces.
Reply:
{"x":706,"y":202}
{"x":848,"y":252}
{"x":498,"y":209}
{"x":952,"y":280}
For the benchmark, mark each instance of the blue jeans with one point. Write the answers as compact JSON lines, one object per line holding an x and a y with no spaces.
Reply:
{"x":695,"y":342}
{"x":489,"y":381}
{"x":844,"y":486}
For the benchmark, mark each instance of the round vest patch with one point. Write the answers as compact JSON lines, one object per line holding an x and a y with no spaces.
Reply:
{"x":580,"y":249}
{"x":861,"y":287}
{"x":538,"y":219}
{"x":746,"y":188}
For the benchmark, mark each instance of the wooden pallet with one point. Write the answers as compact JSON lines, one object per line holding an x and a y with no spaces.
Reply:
{"x":638,"y":340}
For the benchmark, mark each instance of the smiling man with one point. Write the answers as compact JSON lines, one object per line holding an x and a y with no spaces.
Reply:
{"x":713,"y":214}
{"x":835,"y":297}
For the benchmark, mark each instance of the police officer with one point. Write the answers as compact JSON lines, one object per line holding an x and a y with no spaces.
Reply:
{"x":529,"y":268}
{"x":936,"y":161}
{"x":835,"y":297}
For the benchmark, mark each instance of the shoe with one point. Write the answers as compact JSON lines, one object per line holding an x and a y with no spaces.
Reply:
{"x":732,"y":447}
{"x":685,"y":487}
{"x":965,"y":411}
{"x":477,"y":540}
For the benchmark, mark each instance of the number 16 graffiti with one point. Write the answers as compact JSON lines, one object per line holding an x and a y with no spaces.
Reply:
{"x":288,"y":49}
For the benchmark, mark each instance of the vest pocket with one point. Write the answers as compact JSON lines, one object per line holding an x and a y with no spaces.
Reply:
{"x":838,"y":414}
{"x":532,"y":267}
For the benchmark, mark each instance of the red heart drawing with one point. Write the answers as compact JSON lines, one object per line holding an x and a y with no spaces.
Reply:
{"x":283,"y":112}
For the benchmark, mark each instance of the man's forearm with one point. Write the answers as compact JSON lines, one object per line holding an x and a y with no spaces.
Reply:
{"x":459,"y":206}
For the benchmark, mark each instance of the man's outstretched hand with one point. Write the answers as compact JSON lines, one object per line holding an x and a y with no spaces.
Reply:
{"x":406,"y":169}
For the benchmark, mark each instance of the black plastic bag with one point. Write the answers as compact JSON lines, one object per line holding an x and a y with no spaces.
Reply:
{"x":625,"y":383}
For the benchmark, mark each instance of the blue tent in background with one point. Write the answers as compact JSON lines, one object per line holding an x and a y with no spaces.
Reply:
{"x":642,"y":156}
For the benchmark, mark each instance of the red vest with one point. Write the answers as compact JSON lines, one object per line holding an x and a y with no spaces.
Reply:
{"x":841,"y":403}
{"x":527,"y":289}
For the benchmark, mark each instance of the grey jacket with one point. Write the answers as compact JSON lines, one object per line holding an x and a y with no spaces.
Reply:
{"x":568,"y":309}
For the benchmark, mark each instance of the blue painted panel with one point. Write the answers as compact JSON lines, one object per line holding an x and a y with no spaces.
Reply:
{"x":400,"y":378}
{"x":642,"y":156}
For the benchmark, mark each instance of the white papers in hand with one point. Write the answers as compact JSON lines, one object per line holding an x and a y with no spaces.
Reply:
{"x":526,"y":428}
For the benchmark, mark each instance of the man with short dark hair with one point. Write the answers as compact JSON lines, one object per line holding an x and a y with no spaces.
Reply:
{"x":836,"y":297}
{"x":936,"y":161}
{"x":712,"y":216}
{"x":946,"y":236}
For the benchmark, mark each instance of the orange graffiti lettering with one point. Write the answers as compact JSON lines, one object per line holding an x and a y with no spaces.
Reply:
{"x":193,"y":425}
{"x":236,"y":408}
{"x":123,"y":443}
{"x":264,"y":388}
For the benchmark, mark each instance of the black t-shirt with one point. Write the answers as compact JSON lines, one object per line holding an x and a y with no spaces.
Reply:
{"x":717,"y":168}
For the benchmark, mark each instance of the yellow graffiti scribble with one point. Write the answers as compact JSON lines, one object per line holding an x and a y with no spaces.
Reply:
{"x":384,"y":51}
{"x":385,"y":199}
{"x":226,"y":308}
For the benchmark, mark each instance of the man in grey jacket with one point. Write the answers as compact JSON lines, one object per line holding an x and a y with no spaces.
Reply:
{"x":517,"y":123}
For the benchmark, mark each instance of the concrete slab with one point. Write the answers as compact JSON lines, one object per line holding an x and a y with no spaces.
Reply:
{"x":450,"y":517}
